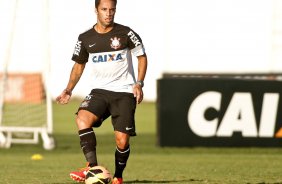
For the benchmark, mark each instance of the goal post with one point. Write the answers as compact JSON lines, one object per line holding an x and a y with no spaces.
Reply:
{"x":25,"y":101}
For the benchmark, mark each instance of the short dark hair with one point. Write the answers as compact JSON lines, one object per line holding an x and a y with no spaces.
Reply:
{"x":97,"y":2}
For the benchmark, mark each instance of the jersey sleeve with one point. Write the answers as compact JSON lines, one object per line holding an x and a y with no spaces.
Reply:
{"x":135,"y":43}
{"x":80,"y":54}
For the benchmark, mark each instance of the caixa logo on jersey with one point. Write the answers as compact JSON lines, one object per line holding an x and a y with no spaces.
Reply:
{"x":110,"y":57}
{"x":211,"y":114}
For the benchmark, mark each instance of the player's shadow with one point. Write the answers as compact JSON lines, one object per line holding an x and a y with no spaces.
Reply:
{"x":163,"y":181}
{"x":149,"y":181}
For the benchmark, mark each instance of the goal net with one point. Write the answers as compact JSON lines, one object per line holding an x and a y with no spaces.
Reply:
{"x":25,"y":103}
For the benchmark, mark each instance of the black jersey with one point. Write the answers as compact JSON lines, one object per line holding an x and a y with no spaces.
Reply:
{"x":109,"y":55}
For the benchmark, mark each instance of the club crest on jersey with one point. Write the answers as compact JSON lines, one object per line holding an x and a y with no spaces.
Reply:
{"x":115,"y":43}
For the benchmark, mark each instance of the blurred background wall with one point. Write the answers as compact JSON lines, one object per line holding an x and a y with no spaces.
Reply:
{"x":180,"y":36}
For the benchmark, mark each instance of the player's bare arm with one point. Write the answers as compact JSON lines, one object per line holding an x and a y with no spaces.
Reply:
{"x":75,"y":75}
{"x":142,"y":68}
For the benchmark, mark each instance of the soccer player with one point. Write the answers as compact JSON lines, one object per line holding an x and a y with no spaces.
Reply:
{"x":107,"y":48}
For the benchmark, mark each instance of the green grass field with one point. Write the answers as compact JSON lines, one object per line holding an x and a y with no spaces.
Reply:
{"x":148,"y":163}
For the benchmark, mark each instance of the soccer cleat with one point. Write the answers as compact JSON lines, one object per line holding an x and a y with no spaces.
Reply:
{"x":117,"y":181}
{"x":80,"y":175}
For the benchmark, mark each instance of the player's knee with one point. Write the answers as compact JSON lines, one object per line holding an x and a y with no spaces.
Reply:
{"x":122,"y":141}
{"x":85,"y":119}
{"x":82,"y":123}
{"x":122,"y":145}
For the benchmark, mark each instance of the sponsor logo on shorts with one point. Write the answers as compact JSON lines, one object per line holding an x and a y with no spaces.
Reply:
{"x":85,"y":103}
{"x":88,"y":97}
{"x":128,"y":128}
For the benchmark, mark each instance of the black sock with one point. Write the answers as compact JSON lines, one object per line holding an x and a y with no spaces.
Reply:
{"x":88,"y":145}
{"x":121,"y":157}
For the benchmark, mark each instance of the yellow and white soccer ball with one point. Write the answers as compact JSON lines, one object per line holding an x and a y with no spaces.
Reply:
{"x":98,"y":175}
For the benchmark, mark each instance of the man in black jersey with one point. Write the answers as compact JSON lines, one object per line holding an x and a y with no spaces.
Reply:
{"x":107,"y":48}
